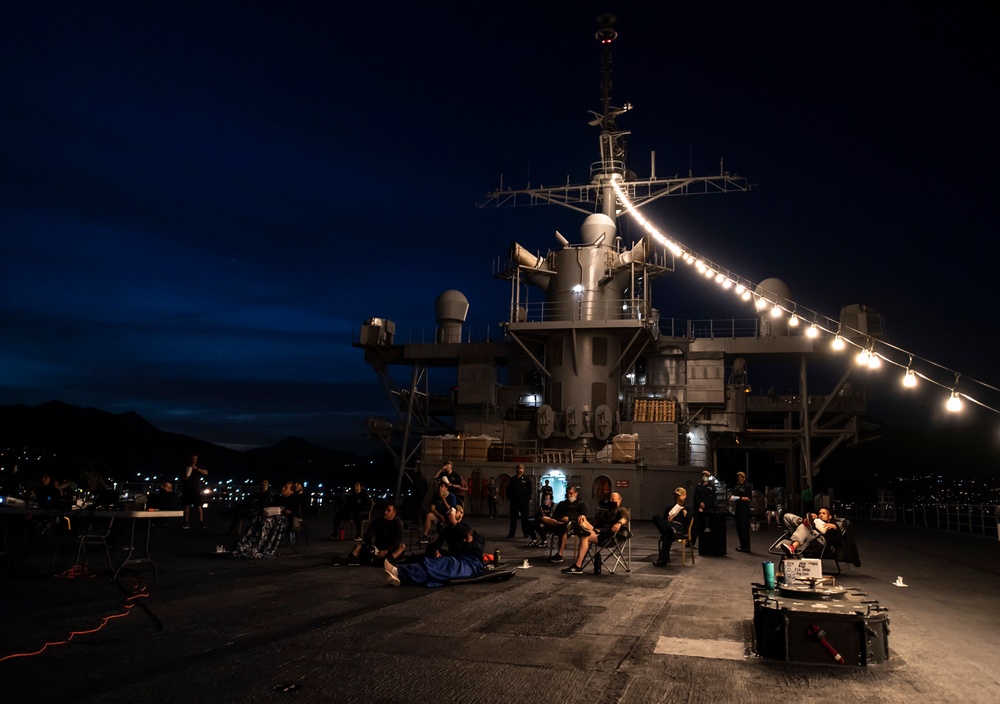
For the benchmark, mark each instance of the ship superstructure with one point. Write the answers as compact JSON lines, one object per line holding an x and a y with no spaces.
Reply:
{"x":588,"y":386}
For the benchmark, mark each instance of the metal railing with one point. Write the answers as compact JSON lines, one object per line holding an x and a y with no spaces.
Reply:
{"x":971,"y":519}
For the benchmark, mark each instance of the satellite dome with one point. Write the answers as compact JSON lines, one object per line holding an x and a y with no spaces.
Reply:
{"x":596,"y":225}
{"x":451,"y":307}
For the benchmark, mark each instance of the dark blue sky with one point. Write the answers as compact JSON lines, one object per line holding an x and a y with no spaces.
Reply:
{"x":200,"y":203}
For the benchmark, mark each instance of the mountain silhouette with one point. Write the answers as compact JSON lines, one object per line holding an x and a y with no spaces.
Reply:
{"x":71,"y":440}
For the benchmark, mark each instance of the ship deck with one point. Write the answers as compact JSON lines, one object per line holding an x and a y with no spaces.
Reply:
{"x":216,"y":629}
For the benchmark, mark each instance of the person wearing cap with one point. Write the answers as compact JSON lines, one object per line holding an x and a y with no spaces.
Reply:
{"x":675,"y":519}
{"x":741,"y":498}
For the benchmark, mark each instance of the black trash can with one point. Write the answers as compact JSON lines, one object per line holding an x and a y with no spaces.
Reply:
{"x":712,"y":542}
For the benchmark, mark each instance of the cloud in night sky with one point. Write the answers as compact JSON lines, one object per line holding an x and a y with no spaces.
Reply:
{"x":201,"y":203}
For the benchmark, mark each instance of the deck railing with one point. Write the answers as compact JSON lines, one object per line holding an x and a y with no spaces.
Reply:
{"x":971,"y":519}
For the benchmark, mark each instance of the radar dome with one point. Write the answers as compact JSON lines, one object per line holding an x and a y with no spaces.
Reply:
{"x":596,"y":225}
{"x":451,"y":307}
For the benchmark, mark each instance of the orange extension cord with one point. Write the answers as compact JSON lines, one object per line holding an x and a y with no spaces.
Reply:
{"x":139,"y":591}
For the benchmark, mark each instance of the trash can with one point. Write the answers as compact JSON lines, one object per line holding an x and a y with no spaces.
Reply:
{"x":712,"y":542}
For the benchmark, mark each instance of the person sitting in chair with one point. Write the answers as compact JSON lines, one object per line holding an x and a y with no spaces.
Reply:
{"x":611,"y":520}
{"x":804,"y":530}
{"x":567,"y":512}
{"x":673,"y":521}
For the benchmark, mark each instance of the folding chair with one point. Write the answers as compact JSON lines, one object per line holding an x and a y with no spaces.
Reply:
{"x":95,"y":535}
{"x":615,"y":551}
{"x":365,"y":522}
{"x":684,"y":539}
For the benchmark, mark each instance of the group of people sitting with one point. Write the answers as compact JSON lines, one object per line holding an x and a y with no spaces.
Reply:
{"x":455,"y":551}
{"x":270,"y":519}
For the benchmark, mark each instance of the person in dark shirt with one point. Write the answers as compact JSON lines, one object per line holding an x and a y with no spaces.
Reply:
{"x":540,"y":531}
{"x":441,"y":507}
{"x":742,"y":496}
{"x":440,"y":571}
{"x":567,"y":511}
{"x":48,"y":492}
{"x":356,"y":508}
{"x":452,"y":536}
{"x":704,"y":502}
{"x":165,"y":499}
{"x":611,"y":521}
{"x":519,"y":491}
{"x":192,"y":493}
{"x":382,"y":541}
{"x":675,"y":519}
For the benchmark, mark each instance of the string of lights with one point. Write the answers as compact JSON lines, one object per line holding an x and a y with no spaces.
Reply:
{"x":872,"y":352}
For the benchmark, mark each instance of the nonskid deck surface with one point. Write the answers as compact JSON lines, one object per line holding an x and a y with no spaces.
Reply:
{"x":242,"y":631}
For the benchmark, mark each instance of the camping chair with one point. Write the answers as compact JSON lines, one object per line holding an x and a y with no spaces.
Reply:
{"x":819,"y":548}
{"x":615,"y":551}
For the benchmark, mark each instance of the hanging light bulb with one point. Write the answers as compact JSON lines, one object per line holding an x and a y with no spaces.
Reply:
{"x":793,"y":321}
{"x":813,"y":331}
{"x":776,"y":311}
{"x":728,"y":283}
{"x":874,"y":361}
{"x":863,"y":356}
{"x":700,"y":266}
{"x":838,"y":343}
{"x":746,"y":294}
{"x":909,"y":379}
{"x":954,"y":403}
{"x":740,"y":288}
{"x":761,"y":303}
{"x":719,"y":278}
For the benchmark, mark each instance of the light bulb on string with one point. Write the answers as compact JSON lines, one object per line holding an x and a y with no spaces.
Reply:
{"x":868,"y":356}
{"x":863,"y":357}
{"x":954,"y":403}
{"x":909,"y":378}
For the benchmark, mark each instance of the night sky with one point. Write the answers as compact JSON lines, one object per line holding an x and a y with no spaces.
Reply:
{"x":200,"y":203}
